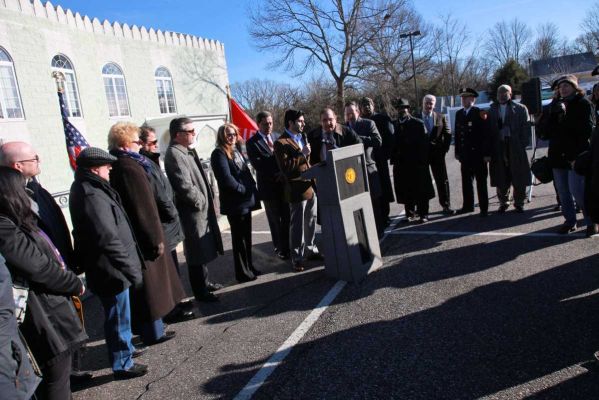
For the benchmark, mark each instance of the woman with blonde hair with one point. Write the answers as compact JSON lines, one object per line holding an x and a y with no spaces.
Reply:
{"x":162,"y":289}
{"x":238,"y":197}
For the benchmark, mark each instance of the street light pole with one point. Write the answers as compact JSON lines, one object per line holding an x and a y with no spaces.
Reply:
{"x":410,"y":35}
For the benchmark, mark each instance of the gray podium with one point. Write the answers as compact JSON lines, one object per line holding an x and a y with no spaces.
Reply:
{"x":349,"y":238}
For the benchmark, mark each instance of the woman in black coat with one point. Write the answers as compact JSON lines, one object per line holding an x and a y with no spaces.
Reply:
{"x":237,"y":194}
{"x":568,"y":127}
{"x":51,"y":326}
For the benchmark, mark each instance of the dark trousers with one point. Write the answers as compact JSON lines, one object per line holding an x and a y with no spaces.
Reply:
{"x":382,"y":166}
{"x":117,"y":330}
{"x":241,"y":236}
{"x":277,"y":213}
{"x":56,"y":383}
{"x":470,"y":171}
{"x":198,"y":279}
{"x":439,"y":170}
{"x":417,"y":208}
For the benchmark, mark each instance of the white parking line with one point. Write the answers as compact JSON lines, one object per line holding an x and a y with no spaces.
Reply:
{"x":490,"y":233}
{"x":277,"y":358}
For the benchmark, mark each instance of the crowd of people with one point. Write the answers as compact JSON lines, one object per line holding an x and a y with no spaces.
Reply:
{"x":128,"y":216}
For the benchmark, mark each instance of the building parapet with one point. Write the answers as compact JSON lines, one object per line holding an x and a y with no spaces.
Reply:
{"x":121,"y":31}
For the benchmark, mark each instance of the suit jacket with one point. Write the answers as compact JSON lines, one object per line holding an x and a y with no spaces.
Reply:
{"x":516,"y":117}
{"x":195,"y":201}
{"x":343,"y":136}
{"x":293,"y":163}
{"x":440,"y":137}
{"x":370,"y":136}
{"x":236,"y":185}
{"x":472,"y":142}
{"x":268,"y":174}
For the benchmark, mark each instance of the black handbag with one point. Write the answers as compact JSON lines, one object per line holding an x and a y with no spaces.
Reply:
{"x":541,"y":169}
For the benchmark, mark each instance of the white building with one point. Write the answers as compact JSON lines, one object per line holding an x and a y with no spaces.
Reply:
{"x":113,"y":72}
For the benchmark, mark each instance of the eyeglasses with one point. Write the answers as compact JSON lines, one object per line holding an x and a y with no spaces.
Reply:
{"x":153,"y":142}
{"x":36,"y":159}
{"x":231,"y":134}
{"x":188,"y":132}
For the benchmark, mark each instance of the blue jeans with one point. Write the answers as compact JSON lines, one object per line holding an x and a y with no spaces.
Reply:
{"x":151,"y":332}
{"x":570,"y":187}
{"x":117,"y":330}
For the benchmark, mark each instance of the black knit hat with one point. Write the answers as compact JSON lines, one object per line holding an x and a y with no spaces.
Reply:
{"x":94,"y":157}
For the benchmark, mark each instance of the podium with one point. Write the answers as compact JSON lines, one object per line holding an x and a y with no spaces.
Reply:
{"x":349,"y":237}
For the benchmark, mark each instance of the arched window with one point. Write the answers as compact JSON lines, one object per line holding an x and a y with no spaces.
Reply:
{"x":62,"y":64}
{"x":166,"y":93}
{"x":10,"y":101}
{"x":116,"y":90}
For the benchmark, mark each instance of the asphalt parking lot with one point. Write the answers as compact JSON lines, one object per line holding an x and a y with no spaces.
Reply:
{"x":464,"y":307}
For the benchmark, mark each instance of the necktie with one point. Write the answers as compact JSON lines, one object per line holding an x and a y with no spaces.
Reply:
{"x":429,"y":123}
{"x":269,"y":142}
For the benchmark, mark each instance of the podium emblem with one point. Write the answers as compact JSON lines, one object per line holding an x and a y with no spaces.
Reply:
{"x":350,"y":175}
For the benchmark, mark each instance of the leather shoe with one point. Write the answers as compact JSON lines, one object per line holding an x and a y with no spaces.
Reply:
{"x":298,"y":267}
{"x":256,"y":272}
{"x":244,"y":279}
{"x":179,"y":316}
{"x":139,"y":351}
{"x":213,"y":286}
{"x":78,"y":377}
{"x":565,"y":229}
{"x":484,"y":214}
{"x":448,"y":211}
{"x":422,"y":220}
{"x":168,"y":335}
{"x":465,"y":210}
{"x":502,"y":208}
{"x":207,"y":298}
{"x":186,"y":304}
{"x":519,"y":209}
{"x":592,"y":230}
{"x":283,"y":255}
{"x":135,"y":371}
{"x":315,"y":257}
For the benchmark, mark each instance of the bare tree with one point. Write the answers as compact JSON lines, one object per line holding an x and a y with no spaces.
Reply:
{"x":507,"y":40}
{"x":324,"y":33}
{"x":386,"y":59}
{"x":257,"y":95}
{"x":547,"y":43}
{"x":590,"y":28}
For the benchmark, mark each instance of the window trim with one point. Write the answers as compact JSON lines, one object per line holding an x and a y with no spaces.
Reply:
{"x":112,"y":78}
{"x":164,"y":80}
{"x":11,"y":63}
{"x":67,"y":96}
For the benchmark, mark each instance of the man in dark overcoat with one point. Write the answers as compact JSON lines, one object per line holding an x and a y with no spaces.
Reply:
{"x":410,"y":159}
{"x":382,"y":153}
{"x":195,"y":202}
{"x":371,"y":138}
{"x":473,"y":151}
{"x":439,"y":135}
{"x":271,"y":183}
{"x":509,"y":131}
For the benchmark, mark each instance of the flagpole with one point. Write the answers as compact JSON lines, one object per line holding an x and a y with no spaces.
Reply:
{"x":229,"y":102}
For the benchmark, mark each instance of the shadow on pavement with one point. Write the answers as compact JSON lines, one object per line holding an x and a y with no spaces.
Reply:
{"x":490,"y":339}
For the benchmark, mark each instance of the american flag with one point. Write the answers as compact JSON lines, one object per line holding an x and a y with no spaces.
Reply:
{"x":75,"y":140}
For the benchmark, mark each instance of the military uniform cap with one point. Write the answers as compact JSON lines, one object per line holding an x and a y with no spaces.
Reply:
{"x":401,"y":103}
{"x":468,"y":92}
{"x":94,"y":157}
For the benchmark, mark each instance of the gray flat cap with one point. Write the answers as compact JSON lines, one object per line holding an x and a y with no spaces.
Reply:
{"x":94,"y":157}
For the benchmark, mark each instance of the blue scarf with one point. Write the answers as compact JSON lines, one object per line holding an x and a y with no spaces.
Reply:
{"x":138,"y":158}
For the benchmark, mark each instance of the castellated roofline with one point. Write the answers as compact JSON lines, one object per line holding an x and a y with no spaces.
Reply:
{"x":76,"y":21}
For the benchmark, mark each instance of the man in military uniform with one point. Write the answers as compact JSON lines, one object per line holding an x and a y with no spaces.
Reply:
{"x":473,"y":151}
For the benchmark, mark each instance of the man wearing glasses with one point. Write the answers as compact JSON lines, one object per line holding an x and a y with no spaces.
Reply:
{"x":22,"y":157}
{"x":195,"y":202}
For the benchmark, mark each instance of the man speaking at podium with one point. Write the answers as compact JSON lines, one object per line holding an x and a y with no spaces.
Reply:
{"x":329,"y":135}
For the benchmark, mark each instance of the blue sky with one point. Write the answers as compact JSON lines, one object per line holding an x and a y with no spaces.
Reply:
{"x":227,"y":21}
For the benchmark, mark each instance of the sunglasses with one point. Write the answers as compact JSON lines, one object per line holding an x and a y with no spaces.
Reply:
{"x":188,"y":132}
{"x":153,"y":142}
{"x":230,"y":134}
{"x":36,"y":159}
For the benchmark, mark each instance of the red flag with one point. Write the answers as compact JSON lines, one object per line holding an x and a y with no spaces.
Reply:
{"x":247,"y":126}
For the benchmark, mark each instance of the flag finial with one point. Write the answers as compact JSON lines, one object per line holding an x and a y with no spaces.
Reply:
{"x":59,"y":77}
